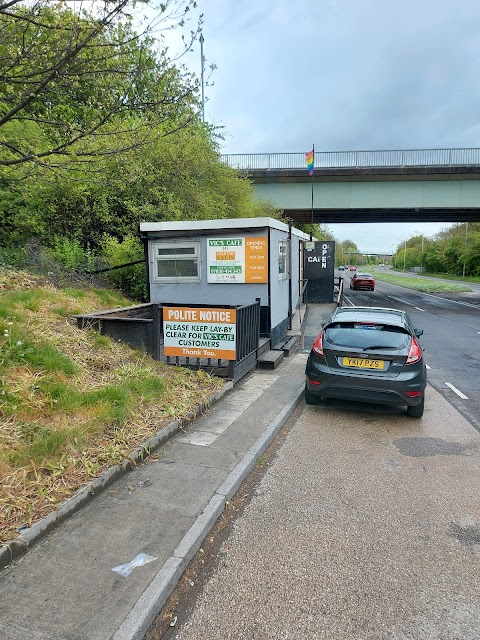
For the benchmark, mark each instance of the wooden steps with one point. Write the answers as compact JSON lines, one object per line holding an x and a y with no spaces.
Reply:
{"x":263,"y":346}
{"x":288,"y":344}
{"x":270,"y":359}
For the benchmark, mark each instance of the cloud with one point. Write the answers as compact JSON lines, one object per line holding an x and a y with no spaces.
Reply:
{"x":344,"y":75}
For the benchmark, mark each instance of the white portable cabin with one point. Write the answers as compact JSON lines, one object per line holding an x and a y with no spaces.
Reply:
{"x":227,"y":262}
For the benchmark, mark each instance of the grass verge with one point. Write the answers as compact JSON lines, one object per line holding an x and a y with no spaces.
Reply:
{"x":420,"y":283}
{"x":72,"y":402}
{"x":449,"y":276}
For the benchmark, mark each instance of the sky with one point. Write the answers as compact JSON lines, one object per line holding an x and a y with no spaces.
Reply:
{"x":343,"y":75}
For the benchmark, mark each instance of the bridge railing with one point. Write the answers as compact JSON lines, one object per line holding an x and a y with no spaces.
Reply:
{"x":354,"y":159}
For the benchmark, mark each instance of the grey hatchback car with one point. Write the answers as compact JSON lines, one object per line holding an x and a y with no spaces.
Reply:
{"x":368,"y":354}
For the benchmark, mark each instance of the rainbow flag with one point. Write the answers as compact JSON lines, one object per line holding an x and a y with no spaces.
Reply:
{"x":309,"y":156}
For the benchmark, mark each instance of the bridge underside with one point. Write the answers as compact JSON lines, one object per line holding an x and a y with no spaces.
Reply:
{"x":417,"y":214}
{"x":373,"y":194}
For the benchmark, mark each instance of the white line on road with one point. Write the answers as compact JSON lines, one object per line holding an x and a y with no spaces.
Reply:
{"x":428,"y":366}
{"x":405,"y":302}
{"x":455,"y":390}
{"x":431,"y":295}
{"x":402,"y":301}
{"x":465,"y":304}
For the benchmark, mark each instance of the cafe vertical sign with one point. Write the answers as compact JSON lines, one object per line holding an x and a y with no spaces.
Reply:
{"x":237,"y":260}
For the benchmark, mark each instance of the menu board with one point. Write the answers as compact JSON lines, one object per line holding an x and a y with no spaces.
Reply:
{"x":237,"y":260}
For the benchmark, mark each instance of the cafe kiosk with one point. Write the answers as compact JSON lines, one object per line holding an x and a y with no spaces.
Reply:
{"x":227,"y":262}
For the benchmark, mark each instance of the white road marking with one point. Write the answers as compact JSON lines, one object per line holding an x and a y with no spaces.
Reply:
{"x":431,"y":295}
{"x":418,"y":309}
{"x":465,"y":304}
{"x":428,"y":366}
{"x":402,"y":301}
{"x":455,"y":390}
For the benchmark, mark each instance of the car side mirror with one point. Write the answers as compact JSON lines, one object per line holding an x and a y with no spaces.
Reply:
{"x":418,"y":332}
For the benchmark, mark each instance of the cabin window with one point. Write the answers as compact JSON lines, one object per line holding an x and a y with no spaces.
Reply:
{"x":283,"y":261}
{"x":176,"y":262}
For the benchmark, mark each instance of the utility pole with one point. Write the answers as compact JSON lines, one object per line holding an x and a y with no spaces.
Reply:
{"x":404,"y":254}
{"x":202,"y":70}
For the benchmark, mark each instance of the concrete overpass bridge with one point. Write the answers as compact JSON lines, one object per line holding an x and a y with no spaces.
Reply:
{"x":409,"y":185}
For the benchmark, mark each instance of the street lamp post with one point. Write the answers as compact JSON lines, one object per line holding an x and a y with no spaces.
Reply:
{"x":404,"y":254}
{"x":421,"y":257}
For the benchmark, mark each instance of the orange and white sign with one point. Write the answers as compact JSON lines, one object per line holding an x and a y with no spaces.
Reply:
{"x":237,"y":260}
{"x":256,"y":260}
{"x":199,"y":333}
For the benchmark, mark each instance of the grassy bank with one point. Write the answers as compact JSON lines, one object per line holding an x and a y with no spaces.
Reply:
{"x":449,"y":276}
{"x":72,"y":402}
{"x":420,"y":283}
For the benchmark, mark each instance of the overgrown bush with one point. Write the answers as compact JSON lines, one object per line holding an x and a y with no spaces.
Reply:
{"x":13,"y":257}
{"x":131,"y":280}
{"x":70,"y":254}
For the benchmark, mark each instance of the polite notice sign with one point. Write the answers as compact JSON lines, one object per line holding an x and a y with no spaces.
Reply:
{"x":237,"y":260}
{"x":199,"y":333}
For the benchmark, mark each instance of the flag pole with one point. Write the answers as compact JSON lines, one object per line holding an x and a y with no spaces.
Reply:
{"x":313,"y":180}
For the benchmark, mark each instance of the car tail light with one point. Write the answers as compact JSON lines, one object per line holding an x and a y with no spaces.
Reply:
{"x":413,"y":394}
{"x":313,"y":381}
{"x":317,"y":346}
{"x":415,"y":353}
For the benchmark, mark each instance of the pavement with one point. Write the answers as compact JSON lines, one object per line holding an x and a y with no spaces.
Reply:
{"x":107,"y":570}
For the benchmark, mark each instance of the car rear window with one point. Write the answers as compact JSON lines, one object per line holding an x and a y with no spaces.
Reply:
{"x":363,"y":275}
{"x":361,"y":335}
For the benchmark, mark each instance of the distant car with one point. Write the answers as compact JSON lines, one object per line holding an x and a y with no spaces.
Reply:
{"x":353,"y":268}
{"x":362,"y":281}
{"x":368,"y":354}
{"x":341,"y":268}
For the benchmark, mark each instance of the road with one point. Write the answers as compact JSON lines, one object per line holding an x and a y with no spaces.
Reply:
{"x":360,"y":523}
{"x":451,"y":340}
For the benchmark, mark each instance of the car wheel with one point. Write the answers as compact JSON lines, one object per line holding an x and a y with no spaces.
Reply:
{"x":417,"y":410}
{"x":372,"y":289}
{"x":311,"y":398}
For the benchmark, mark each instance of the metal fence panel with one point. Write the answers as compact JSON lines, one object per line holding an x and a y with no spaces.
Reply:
{"x":354,"y":159}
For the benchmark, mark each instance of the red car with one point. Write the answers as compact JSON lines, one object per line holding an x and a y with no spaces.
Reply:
{"x":353,"y":268}
{"x":362,"y":281}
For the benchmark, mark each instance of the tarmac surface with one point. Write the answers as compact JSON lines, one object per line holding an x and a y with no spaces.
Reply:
{"x":362,"y":524}
{"x":105,"y":572}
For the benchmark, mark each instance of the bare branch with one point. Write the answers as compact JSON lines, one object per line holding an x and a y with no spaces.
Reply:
{"x":63,"y":63}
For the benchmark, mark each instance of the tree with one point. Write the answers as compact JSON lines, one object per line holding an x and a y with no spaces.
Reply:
{"x":345,"y":250}
{"x":175,"y":177}
{"x":79,"y":85}
{"x":319,"y":231}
